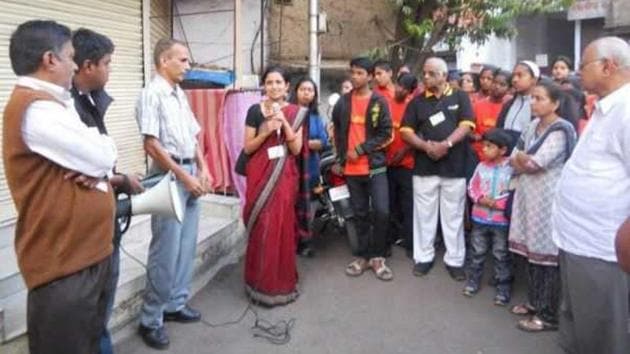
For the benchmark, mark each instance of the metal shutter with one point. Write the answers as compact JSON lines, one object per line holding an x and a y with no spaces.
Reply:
{"x":121,"y":20}
{"x":161,"y":25}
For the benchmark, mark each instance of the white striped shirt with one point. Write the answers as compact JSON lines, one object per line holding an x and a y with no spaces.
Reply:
{"x":162,"y":111}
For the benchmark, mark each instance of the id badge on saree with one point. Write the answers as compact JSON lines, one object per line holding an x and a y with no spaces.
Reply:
{"x":275,"y":152}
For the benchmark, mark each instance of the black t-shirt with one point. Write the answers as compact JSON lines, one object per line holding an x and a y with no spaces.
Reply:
{"x":254,"y":116}
{"x":435,"y":119}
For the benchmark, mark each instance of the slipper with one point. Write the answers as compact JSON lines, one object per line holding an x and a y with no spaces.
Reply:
{"x":534,"y":325}
{"x":381,"y":270}
{"x":523,"y":309}
{"x":357,"y":267}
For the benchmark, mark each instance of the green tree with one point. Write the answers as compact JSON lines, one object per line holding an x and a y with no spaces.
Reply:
{"x":421,"y":24}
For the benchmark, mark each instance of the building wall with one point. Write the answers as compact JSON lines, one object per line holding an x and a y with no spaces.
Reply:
{"x":354,"y":26}
{"x":208,"y":27}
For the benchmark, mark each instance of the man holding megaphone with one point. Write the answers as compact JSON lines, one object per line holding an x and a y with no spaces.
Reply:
{"x":169,"y":130}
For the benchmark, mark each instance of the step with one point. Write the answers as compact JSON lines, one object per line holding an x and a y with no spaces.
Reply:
{"x":220,"y":242}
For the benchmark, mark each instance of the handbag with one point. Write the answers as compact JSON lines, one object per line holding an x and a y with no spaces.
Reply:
{"x":241,"y":163}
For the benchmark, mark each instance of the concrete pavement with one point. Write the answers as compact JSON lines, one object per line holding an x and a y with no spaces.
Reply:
{"x":339,"y":314}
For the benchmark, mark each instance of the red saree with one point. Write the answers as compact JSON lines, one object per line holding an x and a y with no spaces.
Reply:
{"x":270,"y":262}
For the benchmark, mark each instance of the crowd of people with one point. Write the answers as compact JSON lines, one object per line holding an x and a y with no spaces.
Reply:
{"x":491,"y":161}
{"x":488,"y":162}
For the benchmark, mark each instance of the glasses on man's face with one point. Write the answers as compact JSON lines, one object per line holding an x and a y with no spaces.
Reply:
{"x":430,"y":73}
{"x":585,"y":64}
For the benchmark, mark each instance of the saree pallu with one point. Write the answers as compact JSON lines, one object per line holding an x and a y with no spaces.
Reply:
{"x":270,"y":263}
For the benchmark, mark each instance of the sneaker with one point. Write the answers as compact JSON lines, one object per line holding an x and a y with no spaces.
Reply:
{"x":457,"y":273}
{"x":502,"y":297}
{"x":501,"y":300}
{"x":420,"y":269}
{"x":470,"y":289}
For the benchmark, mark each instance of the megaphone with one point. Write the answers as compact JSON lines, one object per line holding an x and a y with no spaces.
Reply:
{"x":159,"y":199}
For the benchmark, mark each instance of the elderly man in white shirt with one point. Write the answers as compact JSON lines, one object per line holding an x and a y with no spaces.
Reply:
{"x":592,"y":201}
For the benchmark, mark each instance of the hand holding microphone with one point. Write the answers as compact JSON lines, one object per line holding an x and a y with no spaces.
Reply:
{"x":275,"y":107}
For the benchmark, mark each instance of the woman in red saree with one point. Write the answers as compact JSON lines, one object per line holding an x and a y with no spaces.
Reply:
{"x":274,"y":135}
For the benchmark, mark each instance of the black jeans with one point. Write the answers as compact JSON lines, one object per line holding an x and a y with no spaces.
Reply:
{"x":67,"y":315}
{"x":374,"y":191}
{"x":401,"y":205}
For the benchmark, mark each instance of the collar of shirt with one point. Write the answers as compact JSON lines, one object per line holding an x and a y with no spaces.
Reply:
{"x":619,"y":95}
{"x":54,"y":90}
{"x":447,"y":92}
{"x":165,"y":87}
{"x":88,"y":95}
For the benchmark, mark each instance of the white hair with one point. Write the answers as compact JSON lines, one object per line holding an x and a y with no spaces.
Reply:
{"x":613,"y":48}
{"x":439,"y":63}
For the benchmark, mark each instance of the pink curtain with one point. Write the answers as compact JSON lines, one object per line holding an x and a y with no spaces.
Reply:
{"x":207,"y":106}
{"x":234,"y":112}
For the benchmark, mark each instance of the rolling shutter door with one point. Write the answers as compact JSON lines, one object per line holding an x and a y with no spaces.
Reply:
{"x":120,"y":20}
{"x":160,"y":24}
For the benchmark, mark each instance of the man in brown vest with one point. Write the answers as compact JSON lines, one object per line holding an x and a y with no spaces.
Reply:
{"x":56,"y":168}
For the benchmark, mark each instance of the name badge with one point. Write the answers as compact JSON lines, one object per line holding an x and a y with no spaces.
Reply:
{"x":275,"y":152}
{"x":437,"y":118}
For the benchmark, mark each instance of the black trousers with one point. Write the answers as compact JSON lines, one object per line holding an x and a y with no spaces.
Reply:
{"x":67,"y":315}
{"x":400,"y":184}
{"x":366,"y":191}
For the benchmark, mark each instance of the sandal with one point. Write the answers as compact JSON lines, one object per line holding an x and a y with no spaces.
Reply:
{"x":534,"y":324}
{"x":357,"y":267}
{"x":381,"y":270}
{"x":523,"y":309}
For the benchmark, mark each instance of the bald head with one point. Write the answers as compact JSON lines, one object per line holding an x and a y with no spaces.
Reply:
{"x":438,"y":64}
{"x":605,"y":65}
{"x":614,"y":49}
{"x":434,"y":73}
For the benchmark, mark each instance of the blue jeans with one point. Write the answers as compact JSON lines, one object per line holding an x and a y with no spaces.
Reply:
{"x":105,"y":344}
{"x":482,"y":237}
{"x":171,"y":260}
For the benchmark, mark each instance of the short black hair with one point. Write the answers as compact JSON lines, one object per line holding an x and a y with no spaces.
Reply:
{"x":383,"y":64}
{"x":504,"y":73}
{"x":498,"y":137}
{"x":408,"y":81}
{"x":275,"y":69}
{"x":31,"y":40}
{"x":564,"y":59}
{"x":364,"y":63}
{"x":90,"y":45}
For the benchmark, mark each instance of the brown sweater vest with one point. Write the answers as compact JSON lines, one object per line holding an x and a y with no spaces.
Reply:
{"x":61,"y":227}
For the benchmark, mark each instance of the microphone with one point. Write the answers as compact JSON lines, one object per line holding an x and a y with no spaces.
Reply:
{"x":275,"y":107}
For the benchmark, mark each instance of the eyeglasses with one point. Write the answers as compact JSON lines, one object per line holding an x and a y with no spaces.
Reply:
{"x":583,"y":65}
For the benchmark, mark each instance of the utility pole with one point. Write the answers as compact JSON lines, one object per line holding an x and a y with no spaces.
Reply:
{"x":313,"y":53}
{"x":238,"y":57}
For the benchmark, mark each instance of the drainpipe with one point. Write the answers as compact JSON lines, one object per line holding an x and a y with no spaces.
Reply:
{"x":313,"y":45}
{"x":238,"y":52}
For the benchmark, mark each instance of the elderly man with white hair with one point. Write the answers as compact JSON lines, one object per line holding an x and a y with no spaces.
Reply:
{"x":436,"y":124}
{"x":592,"y":201}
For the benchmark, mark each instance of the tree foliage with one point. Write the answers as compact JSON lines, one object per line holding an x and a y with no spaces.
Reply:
{"x":421,"y":24}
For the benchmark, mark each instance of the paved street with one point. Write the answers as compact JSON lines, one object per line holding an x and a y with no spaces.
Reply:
{"x":338,"y":314}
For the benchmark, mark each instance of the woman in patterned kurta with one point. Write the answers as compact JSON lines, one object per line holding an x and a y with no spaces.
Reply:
{"x":538,"y":159}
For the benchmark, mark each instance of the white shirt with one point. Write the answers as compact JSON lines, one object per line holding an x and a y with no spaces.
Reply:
{"x":163,"y":112}
{"x":55,"y":131}
{"x":593,"y":194}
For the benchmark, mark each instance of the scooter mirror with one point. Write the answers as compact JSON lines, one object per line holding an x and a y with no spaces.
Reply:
{"x":332,"y":99}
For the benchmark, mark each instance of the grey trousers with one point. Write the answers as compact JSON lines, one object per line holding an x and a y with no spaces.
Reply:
{"x":67,"y":315}
{"x":594,"y":310}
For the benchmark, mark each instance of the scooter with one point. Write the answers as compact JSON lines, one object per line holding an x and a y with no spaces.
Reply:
{"x":334,"y":197}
